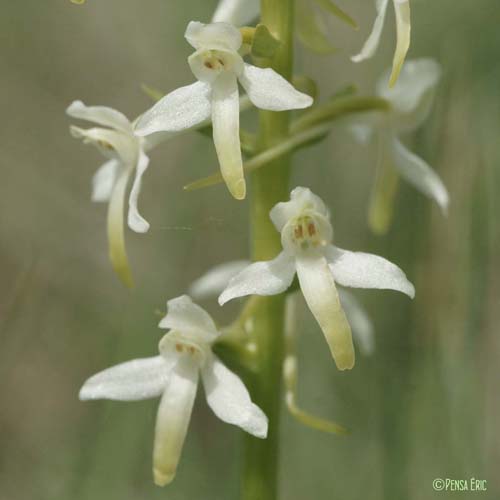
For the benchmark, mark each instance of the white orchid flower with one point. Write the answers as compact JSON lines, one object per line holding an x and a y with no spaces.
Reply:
{"x":126,"y":154}
{"x":212,"y":283}
{"x":410,"y":99}
{"x":403,"y":28}
{"x":215,"y":280}
{"x":306,"y":236}
{"x":218,"y":67}
{"x":185,"y":354}
{"x":236,"y":12}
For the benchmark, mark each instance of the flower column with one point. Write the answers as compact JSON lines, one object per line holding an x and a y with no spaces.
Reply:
{"x":269,"y":186}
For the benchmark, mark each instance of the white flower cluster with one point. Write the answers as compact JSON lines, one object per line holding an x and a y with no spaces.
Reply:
{"x":218,"y":66}
{"x":308,"y":250}
{"x":185,"y":354}
{"x":306,"y":236}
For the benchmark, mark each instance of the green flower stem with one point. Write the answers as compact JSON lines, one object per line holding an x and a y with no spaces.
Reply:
{"x":337,"y":108}
{"x":283,"y":148}
{"x":269,"y":186}
{"x":310,"y":128}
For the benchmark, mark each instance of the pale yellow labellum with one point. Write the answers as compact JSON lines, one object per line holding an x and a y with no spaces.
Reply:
{"x":403,"y":28}
{"x":116,"y":237}
{"x":320,"y":293}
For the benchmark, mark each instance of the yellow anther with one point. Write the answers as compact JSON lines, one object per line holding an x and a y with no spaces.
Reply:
{"x":213,"y":60}
{"x":305,"y":233}
{"x":105,"y":145}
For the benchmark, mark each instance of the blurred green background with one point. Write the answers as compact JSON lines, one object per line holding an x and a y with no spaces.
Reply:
{"x":425,"y":405}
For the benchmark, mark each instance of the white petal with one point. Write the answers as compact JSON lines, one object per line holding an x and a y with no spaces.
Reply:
{"x":420,"y":175}
{"x":221,"y":36}
{"x":320,"y":293}
{"x":362,"y":133}
{"x":373,"y":40}
{"x":111,"y":143}
{"x":101,"y":115}
{"x":134,"y":380}
{"x":226,"y":133}
{"x":116,"y":237}
{"x":403,"y":29}
{"x":186,"y":317}
{"x":236,"y":12}
{"x":214,"y":281}
{"x":261,"y":278}
{"x":229,"y":399}
{"x":417,"y":80}
{"x":223,"y":62}
{"x":104,"y":180}
{"x":181,"y":109}
{"x":365,"y":270}
{"x":269,"y":90}
{"x":172,"y":420}
{"x":135,"y":221}
{"x":153,"y":140}
{"x":301,"y":199}
{"x":361,"y":324}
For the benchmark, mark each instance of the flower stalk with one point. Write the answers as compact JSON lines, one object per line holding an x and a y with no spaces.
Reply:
{"x":269,"y":186}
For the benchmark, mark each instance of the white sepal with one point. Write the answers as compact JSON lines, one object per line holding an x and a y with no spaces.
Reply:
{"x":101,"y":115}
{"x":236,"y":12}
{"x":269,"y":90}
{"x":261,"y":278}
{"x":214,"y":281}
{"x":181,"y":109}
{"x":131,"y":381}
{"x":411,"y":97}
{"x":229,"y":399}
{"x":172,"y":420}
{"x":418,"y":173}
{"x":135,"y":220}
{"x":184,"y":316}
{"x":301,"y":199}
{"x":320,"y":293}
{"x":104,"y":181}
{"x":365,"y":270}
{"x":218,"y":35}
{"x":373,"y":40}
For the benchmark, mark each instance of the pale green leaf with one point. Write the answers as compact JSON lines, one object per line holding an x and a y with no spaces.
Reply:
{"x":336,"y":11}
{"x":264,"y":45}
{"x":310,"y":32}
{"x":381,"y":208}
{"x":298,"y":141}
